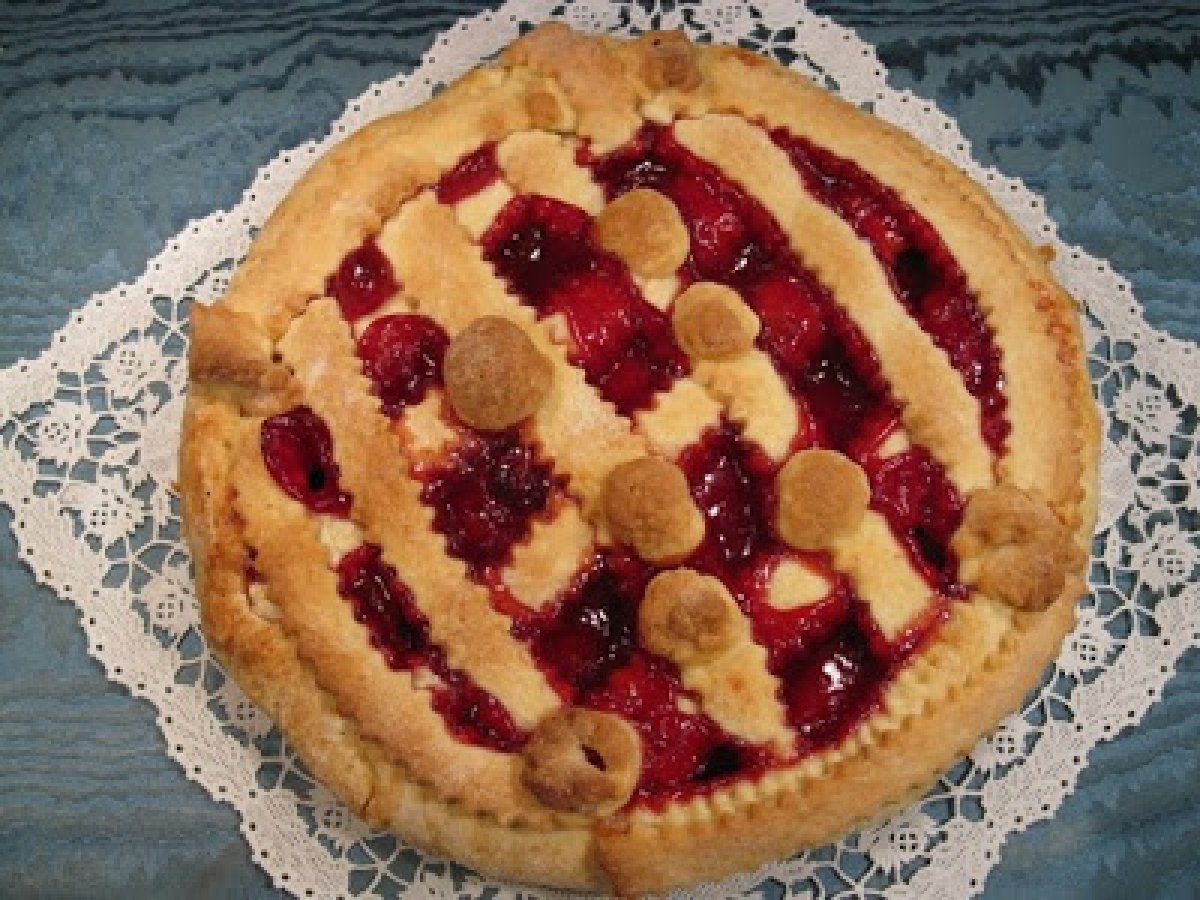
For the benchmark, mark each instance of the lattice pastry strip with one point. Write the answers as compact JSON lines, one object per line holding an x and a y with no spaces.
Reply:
{"x":1037,"y":340}
{"x":537,"y":162}
{"x":753,"y":394}
{"x":544,"y":565}
{"x":387,"y":505}
{"x":748,"y":387}
{"x":442,"y":271}
{"x":387,"y":703}
{"x":936,"y":407}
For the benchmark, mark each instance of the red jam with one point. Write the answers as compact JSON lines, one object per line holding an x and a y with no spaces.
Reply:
{"x":829,"y":658}
{"x":733,"y":484}
{"x":587,"y":645}
{"x":402,"y":355}
{"x":831,"y":661}
{"x":791,"y":635}
{"x":682,"y":752}
{"x":626,"y":347}
{"x":399,"y":630}
{"x":913,"y":492}
{"x":829,"y":366}
{"x":923,"y":273}
{"x":592,"y":630}
{"x":363,"y":282}
{"x":298,"y":451}
{"x":485,"y":497}
{"x":832,"y":689}
{"x":472,"y":174}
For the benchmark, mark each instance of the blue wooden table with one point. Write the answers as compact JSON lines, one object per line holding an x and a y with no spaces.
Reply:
{"x":120,"y":121}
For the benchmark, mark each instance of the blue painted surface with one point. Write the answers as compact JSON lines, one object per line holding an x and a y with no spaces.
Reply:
{"x":119,"y":121}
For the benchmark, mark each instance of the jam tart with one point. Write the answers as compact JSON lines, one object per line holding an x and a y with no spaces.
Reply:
{"x":636,"y":464}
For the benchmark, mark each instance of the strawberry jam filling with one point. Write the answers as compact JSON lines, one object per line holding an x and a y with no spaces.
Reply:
{"x":831,"y":660}
{"x":842,"y":397}
{"x":544,"y":249}
{"x":472,"y":174}
{"x":403,"y":355}
{"x":831,"y":689}
{"x":924,"y":510}
{"x":829,"y":367}
{"x":298,"y":452}
{"x":592,"y":629}
{"x":587,"y":645}
{"x":397,"y":628}
{"x":683,"y":752}
{"x":363,"y":282}
{"x":923,"y":274}
{"x":485,"y":496}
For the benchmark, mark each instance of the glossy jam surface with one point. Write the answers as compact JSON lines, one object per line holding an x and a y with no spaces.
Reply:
{"x":398,"y":629}
{"x":402,"y":355}
{"x":593,"y":628}
{"x":842,"y":397}
{"x":831,"y":689}
{"x":829,"y":367}
{"x":472,"y":174}
{"x":363,"y":282}
{"x":587,"y":645}
{"x":386,"y":607}
{"x":298,"y":452}
{"x":683,"y":752}
{"x":485,"y":496}
{"x":732,"y":484}
{"x":626,"y":347}
{"x":915,"y":495}
{"x":924,"y":275}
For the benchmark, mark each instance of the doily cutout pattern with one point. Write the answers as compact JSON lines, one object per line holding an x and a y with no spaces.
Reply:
{"x":87,"y":460}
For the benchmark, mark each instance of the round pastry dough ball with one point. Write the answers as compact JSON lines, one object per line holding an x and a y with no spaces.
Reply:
{"x":649,"y":507}
{"x":686,"y":616}
{"x":712,"y":322}
{"x":645,"y":229}
{"x":494,"y":375}
{"x":822,"y":496}
{"x":583,"y":761}
{"x":1013,"y":548}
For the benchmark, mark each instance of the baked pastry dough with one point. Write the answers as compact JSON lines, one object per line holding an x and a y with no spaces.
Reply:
{"x":636,"y":464}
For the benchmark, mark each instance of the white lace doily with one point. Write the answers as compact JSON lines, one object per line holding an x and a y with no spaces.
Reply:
{"x":88,"y":436}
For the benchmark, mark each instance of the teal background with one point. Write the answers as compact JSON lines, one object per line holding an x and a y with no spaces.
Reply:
{"x":119,"y":121}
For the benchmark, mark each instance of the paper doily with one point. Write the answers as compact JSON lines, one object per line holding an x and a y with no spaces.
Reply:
{"x":87,"y":458}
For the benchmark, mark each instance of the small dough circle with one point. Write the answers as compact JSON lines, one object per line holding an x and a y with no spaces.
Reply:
{"x":823,"y":495}
{"x":649,"y":507}
{"x":712,"y":322}
{"x":645,"y":229}
{"x":583,"y":761}
{"x":495,"y":377}
{"x":1013,"y":548}
{"x":687,"y":616}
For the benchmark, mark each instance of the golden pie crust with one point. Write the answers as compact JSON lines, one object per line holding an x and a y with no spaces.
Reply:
{"x":551,"y":814}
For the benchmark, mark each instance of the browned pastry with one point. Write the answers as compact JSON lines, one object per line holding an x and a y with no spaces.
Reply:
{"x":648,"y":507}
{"x":636,"y":464}
{"x":645,"y":229}
{"x":1015,"y":549}
{"x":712,"y":322}
{"x":495,"y":377}
{"x":822,"y":495}
{"x":580,"y":760}
{"x":686,"y":616}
